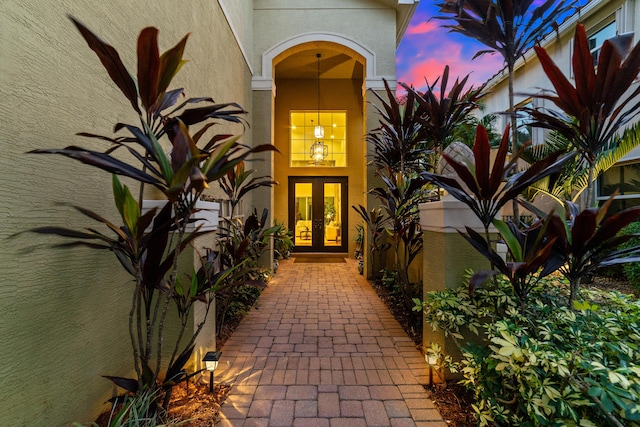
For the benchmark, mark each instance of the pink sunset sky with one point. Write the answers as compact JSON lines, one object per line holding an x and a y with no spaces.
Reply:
{"x":427,"y":47}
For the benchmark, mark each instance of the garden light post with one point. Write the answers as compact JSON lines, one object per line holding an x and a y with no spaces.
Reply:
{"x":210,"y":364}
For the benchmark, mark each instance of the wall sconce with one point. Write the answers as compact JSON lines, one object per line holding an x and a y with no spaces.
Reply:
{"x":211,"y":360}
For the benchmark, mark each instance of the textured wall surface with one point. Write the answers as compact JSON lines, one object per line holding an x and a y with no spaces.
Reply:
{"x":64,"y":313}
{"x":445,"y":258}
{"x":368,"y":23}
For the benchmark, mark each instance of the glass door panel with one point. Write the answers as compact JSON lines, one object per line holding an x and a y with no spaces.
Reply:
{"x":303,"y":197}
{"x":332,"y":214}
{"x":317,"y":213}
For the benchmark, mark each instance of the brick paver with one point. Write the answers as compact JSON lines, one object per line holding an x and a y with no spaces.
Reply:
{"x":321,"y":349}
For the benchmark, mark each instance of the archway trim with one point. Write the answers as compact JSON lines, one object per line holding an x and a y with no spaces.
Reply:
{"x":373,"y":81}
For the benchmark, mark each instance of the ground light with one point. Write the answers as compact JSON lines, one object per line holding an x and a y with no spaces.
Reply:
{"x":432,"y":362}
{"x":211,"y":360}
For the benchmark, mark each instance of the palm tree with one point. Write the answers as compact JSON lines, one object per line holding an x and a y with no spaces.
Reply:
{"x":574,"y":177}
{"x":507,"y":27}
{"x":444,"y":110}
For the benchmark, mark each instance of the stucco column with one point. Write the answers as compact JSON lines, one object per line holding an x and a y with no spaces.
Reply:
{"x":446,"y":256}
{"x":262,"y":124}
{"x":372,"y":180}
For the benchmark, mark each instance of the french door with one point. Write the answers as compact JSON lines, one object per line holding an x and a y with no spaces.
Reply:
{"x":318,"y":213}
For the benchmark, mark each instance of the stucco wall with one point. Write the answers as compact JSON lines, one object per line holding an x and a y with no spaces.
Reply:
{"x":239,"y":14}
{"x":64,"y":313}
{"x":368,"y":23}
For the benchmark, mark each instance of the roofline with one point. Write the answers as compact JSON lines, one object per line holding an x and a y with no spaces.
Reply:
{"x":404,"y":12}
{"x":568,"y":25}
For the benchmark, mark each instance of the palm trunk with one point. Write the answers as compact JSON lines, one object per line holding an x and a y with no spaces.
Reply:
{"x":589,"y":199}
{"x":574,"y":285}
{"x":514,"y":137}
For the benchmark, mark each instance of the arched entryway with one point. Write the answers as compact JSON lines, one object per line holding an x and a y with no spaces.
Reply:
{"x":319,"y":83}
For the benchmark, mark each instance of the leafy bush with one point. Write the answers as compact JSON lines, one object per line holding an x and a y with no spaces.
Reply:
{"x":282,"y":240}
{"x":242,"y":299}
{"x":632,"y":269}
{"x":549,"y":365}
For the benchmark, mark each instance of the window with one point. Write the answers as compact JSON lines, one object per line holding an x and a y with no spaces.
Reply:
{"x":624,"y":178}
{"x":597,"y":39}
{"x":302,"y":124}
{"x":523,"y":124}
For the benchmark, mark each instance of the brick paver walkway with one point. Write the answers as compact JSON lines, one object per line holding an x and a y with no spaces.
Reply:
{"x":320,"y":349}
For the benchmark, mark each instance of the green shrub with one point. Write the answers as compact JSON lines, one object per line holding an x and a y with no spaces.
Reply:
{"x":549,"y":365}
{"x":632,"y":269}
{"x":235,"y":302}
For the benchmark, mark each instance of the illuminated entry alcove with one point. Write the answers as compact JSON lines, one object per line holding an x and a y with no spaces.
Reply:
{"x":302,"y":125}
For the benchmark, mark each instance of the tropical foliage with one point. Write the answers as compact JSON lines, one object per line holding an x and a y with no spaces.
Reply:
{"x":238,"y":182}
{"x":445,"y":109}
{"x":487,"y":189}
{"x":148,"y":245}
{"x":399,"y":199}
{"x":506,"y":27}
{"x":594,"y":110}
{"x":548,"y":365}
{"x":588,"y":240}
{"x":547,"y":351}
{"x":410,"y":136}
{"x":400,"y":143}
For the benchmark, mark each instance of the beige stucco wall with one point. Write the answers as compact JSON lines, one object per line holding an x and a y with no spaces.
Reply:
{"x":366,"y":26}
{"x":300,"y":95}
{"x":368,"y":23}
{"x":239,"y":15}
{"x":64,"y":313}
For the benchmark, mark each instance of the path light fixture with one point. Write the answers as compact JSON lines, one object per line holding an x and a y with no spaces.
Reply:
{"x":432,"y":362}
{"x":319,"y":150}
{"x":211,"y":360}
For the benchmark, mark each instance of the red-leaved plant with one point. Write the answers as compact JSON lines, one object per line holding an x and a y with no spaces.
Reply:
{"x":148,"y":245}
{"x":597,"y":107}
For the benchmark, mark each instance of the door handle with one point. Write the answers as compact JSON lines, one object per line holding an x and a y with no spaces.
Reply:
{"x":317,"y":224}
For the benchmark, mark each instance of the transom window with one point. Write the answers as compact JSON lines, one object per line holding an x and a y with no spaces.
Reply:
{"x":330,"y":149}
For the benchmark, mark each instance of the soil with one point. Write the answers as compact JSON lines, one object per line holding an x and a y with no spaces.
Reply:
{"x":197,"y":405}
{"x":613,"y":284}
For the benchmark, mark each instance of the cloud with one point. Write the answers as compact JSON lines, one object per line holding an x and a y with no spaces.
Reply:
{"x":428,"y":61}
{"x":425,"y":52}
{"x":421,"y":28}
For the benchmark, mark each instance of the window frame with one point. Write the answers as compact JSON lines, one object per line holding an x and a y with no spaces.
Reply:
{"x":305,"y":136}
{"x":604,"y":25}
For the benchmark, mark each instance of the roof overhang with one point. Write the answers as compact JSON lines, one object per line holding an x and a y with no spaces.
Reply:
{"x":565,"y":28}
{"x":404,"y":12}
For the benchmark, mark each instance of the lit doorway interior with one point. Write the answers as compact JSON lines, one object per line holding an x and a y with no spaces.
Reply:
{"x":318,"y":213}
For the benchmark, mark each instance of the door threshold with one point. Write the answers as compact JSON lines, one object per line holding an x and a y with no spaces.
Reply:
{"x":319,"y":254}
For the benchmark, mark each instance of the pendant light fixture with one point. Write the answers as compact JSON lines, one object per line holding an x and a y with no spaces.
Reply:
{"x":319,"y":151}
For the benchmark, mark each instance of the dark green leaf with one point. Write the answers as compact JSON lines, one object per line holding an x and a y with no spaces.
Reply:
{"x":112,"y":63}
